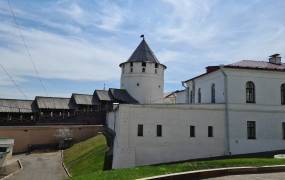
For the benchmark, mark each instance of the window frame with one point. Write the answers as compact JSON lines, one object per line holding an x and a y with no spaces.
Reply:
{"x":213,"y":93}
{"x":158,"y":130}
{"x":282,"y":93}
{"x":250,"y":92}
{"x":140,"y":130}
{"x":251,"y":130}
{"x":210,"y":131}
{"x":192,"y":131}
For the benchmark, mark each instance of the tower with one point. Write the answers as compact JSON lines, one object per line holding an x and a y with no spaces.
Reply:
{"x":143,"y":75}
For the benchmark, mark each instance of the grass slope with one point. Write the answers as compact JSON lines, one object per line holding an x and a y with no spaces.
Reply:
{"x":86,"y":157}
{"x":85,"y":162}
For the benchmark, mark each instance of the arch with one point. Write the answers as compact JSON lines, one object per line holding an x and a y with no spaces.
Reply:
{"x":282,"y":90}
{"x":250,"y":92}
{"x":213,"y":93}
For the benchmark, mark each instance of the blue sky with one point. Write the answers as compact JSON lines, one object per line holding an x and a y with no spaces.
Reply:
{"x":78,"y":45}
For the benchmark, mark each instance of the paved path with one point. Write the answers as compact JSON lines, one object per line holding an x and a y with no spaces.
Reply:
{"x":269,"y":176}
{"x":40,"y":166}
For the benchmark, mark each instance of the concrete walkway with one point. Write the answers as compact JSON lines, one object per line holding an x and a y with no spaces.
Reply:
{"x":40,"y":166}
{"x":269,"y":176}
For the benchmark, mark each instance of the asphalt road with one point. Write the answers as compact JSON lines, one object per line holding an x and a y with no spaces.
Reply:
{"x":269,"y":176}
{"x":40,"y":166}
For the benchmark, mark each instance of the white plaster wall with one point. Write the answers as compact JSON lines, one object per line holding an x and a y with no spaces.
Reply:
{"x":175,"y":143}
{"x":181,"y":97}
{"x":268,"y":120}
{"x":267,"y":86}
{"x":151,"y":85}
{"x":205,"y":82}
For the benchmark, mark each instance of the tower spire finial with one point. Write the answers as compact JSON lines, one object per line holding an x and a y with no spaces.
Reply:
{"x":142,"y":36}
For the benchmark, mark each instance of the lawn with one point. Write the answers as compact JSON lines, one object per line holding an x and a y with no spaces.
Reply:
{"x":86,"y":163}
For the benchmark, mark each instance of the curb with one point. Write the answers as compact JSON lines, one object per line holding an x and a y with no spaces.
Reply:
{"x":63,"y":165}
{"x":210,"y":173}
{"x":16,"y":172}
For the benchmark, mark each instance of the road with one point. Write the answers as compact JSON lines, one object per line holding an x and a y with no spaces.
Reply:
{"x":269,"y":176}
{"x":40,"y":166}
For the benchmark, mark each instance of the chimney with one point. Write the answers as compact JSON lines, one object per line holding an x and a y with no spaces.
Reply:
{"x":275,"y":59}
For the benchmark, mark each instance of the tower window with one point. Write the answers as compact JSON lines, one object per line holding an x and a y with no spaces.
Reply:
{"x":131,"y":64}
{"x":143,"y":64}
{"x":138,"y":84}
{"x":156,"y":65}
{"x":159,"y":86}
{"x":210,"y":131}
{"x":131,"y":70}
{"x":143,"y":69}
{"x":192,"y":131}
{"x":155,"y":71}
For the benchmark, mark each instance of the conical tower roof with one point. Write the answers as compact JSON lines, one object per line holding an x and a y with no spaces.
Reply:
{"x":143,"y":53}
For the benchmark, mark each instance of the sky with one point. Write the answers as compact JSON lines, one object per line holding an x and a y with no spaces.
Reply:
{"x":77,"y":46}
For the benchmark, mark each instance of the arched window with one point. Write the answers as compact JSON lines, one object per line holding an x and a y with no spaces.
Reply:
{"x":199,"y":95}
{"x":250,"y":92}
{"x":283,"y":94}
{"x":191,"y":97}
{"x":213,"y":94}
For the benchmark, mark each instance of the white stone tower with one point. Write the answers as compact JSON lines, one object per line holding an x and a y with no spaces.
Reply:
{"x":143,"y":75}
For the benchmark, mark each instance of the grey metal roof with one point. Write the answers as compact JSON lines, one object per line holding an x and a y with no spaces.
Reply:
{"x":16,"y":105}
{"x":122,"y":95}
{"x":257,"y":65}
{"x":53,"y":102}
{"x":143,"y":53}
{"x":83,"y":99}
{"x":103,"y":95}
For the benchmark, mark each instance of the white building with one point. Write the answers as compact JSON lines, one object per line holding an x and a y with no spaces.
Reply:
{"x":232,"y":109}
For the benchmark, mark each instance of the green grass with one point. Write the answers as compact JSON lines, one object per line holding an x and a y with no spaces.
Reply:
{"x":86,"y":163}
{"x":86,"y":157}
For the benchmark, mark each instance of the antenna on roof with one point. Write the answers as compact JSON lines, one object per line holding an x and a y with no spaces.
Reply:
{"x":142,"y":36}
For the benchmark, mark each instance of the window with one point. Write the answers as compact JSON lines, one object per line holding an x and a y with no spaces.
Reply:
{"x":191,"y":97}
{"x":210,"y":131}
{"x":159,"y":130}
{"x":251,"y":130}
{"x":155,"y":71}
{"x":51,"y":114}
{"x":283,"y":94}
{"x":143,"y":69}
{"x":283,"y":130}
{"x":132,"y":64}
{"x":156,"y":65}
{"x":140,"y":130}
{"x":131,"y":70}
{"x":199,"y":95}
{"x":138,"y":84}
{"x":213,"y":94}
{"x":192,"y":131}
{"x":250,"y":92}
{"x":143,"y":64}
{"x":159,"y":86}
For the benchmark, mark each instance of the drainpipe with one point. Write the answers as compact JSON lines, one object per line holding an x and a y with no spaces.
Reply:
{"x":227,"y":134}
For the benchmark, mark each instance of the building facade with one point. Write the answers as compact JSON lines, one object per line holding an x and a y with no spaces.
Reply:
{"x":232,"y":109}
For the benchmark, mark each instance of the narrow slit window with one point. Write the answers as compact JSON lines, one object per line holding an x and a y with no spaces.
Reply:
{"x":210,"y":131}
{"x":192,"y":131}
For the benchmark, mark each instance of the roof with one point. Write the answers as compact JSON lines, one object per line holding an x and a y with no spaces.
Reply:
{"x":83,"y":99}
{"x":16,"y":105}
{"x":172,"y":93}
{"x":245,"y":64}
{"x":53,"y":102}
{"x":263,"y":65}
{"x":103,"y":95}
{"x":122,"y":95}
{"x":143,"y":53}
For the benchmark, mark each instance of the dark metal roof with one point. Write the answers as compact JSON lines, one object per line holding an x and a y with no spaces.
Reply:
{"x":53,"y":102}
{"x":83,"y":99}
{"x":16,"y":106}
{"x":143,"y":53}
{"x":103,"y":95}
{"x":122,"y":96}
